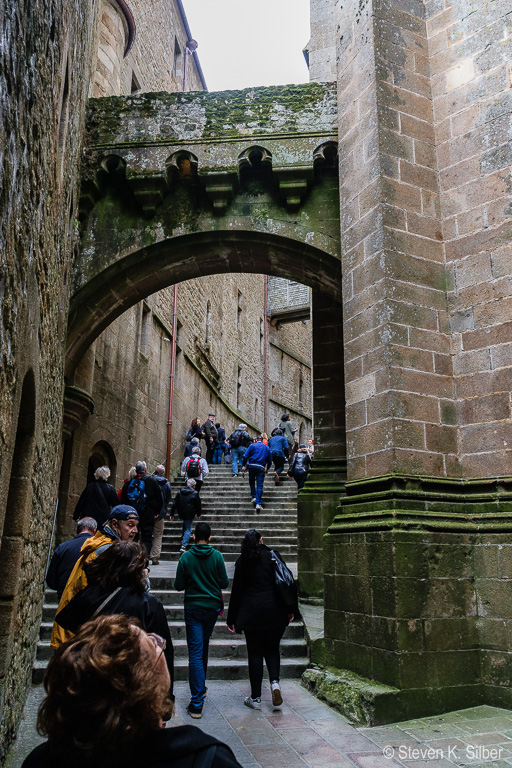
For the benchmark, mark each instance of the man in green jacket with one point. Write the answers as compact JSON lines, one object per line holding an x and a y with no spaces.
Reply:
{"x":202,"y":574}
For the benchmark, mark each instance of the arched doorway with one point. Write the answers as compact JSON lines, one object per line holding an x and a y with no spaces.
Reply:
{"x":102,"y":454}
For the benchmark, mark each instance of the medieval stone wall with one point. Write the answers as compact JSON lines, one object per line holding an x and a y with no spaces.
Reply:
{"x":45,"y":68}
{"x":471,"y":54}
{"x":290,"y":379}
{"x":156,"y":59}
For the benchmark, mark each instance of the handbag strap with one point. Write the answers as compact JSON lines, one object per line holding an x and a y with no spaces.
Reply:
{"x":104,"y":603}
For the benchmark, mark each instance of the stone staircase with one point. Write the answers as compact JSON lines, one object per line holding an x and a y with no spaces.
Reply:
{"x":228,"y":509}
{"x":226,"y":506}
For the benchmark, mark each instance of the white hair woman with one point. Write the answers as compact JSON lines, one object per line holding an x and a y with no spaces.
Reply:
{"x":97,"y":499}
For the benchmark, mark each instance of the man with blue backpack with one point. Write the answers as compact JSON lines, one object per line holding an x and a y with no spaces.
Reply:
{"x":142,"y":492}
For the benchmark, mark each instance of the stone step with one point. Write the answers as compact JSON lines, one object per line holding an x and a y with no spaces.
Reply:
{"x":227,"y":507}
{"x":227,"y":649}
{"x":283,"y":530}
{"x":228,"y":541}
{"x":218,"y":669}
{"x":265,"y":517}
{"x":177,"y":627}
{"x":228,"y":551}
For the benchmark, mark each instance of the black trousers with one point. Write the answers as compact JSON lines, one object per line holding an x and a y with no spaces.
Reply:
{"x":263,"y":645}
{"x":278,"y":463}
{"x":210,"y":447}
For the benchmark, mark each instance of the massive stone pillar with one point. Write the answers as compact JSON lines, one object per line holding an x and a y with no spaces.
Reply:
{"x":415,"y":564}
{"x":318,"y":500}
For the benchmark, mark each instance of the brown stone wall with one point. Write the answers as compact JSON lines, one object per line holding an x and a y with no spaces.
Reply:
{"x":151,"y":64}
{"x":471,"y":85}
{"x":46,"y":52}
{"x":112,"y":38}
{"x":290,"y":385}
{"x":400,"y":414}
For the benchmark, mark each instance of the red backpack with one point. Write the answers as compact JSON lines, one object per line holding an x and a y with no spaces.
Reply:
{"x":194,"y":468}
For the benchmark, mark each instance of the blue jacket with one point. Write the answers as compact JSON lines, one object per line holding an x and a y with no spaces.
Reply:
{"x":258,"y":453}
{"x":278,"y":446}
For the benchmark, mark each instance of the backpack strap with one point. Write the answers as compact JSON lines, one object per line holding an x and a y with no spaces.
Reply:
{"x":105,"y":602}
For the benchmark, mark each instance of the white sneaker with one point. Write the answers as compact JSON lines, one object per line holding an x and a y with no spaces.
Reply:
{"x":252,"y":703}
{"x":253,"y":500}
{"x":258,"y":508}
{"x":277,"y":698}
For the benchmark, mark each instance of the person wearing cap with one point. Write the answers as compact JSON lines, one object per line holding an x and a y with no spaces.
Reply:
{"x":121,"y":525}
{"x":210,"y":436}
{"x":300,"y":466}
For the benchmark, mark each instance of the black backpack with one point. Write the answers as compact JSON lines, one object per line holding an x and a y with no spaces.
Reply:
{"x":194,"y":468}
{"x":136,"y":493}
{"x":235,"y":440}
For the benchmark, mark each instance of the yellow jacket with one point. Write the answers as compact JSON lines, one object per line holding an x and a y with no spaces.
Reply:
{"x":77,"y":581}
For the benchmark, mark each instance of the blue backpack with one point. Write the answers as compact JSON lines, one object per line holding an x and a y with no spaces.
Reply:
{"x":136,"y":493}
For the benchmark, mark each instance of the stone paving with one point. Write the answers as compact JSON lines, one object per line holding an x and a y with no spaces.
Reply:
{"x":306,"y":733}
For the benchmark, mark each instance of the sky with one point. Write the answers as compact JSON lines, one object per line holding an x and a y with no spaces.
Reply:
{"x":243,"y":43}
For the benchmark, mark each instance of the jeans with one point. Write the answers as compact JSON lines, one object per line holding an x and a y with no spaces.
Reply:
{"x":199,"y":623}
{"x":256,"y":478}
{"x":236,"y":458}
{"x":278,"y":463}
{"x":217,"y":454}
{"x":187,"y":532}
{"x":263,"y":645}
{"x":300,"y":476}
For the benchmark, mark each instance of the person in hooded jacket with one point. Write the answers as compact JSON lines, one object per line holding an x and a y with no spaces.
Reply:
{"x":116,"y":583}
{"x":97,"y":498}
{"x":256,"y":609}
{"x":187,"y":505}
{"x":202,"y":574}
{"x":300,"y":466}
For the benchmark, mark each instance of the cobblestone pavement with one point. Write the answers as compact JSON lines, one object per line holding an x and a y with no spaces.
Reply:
{"x":308,"y":734}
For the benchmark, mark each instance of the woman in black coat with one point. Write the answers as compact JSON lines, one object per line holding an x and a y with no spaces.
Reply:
{"x":117,"y":583}
{"x":257,"y":610}
{"x":300,"y":466}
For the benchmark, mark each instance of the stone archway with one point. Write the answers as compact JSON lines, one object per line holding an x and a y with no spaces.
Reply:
{"x":143,"y":272}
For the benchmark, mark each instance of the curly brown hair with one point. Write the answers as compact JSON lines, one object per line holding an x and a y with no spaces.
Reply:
{"x":103,"y":692}
{"x":120,"y":565}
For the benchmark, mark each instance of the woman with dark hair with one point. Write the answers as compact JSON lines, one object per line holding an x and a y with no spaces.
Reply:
{"x":116,"y":583}
{"x":256,"y":609}
{"x":195,"y":430}
{"x":107,"y":695}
